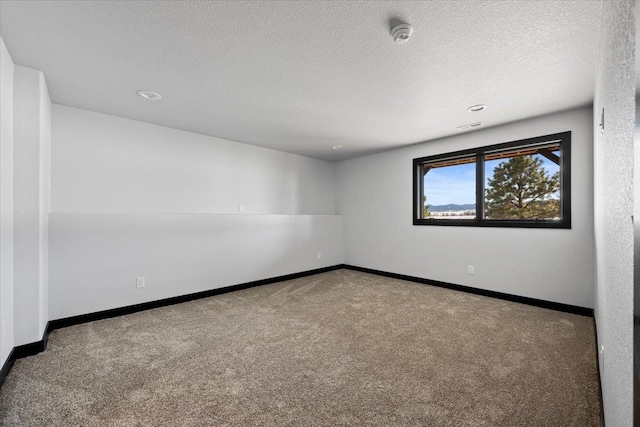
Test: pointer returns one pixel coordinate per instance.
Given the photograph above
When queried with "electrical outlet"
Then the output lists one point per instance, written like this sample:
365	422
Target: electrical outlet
241	208
319	255
139	282
471	270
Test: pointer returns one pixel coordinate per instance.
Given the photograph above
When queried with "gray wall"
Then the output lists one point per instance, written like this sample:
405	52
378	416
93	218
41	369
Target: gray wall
133	199
106	164
374	195
31	192
24	205
613	192
95	258
6	204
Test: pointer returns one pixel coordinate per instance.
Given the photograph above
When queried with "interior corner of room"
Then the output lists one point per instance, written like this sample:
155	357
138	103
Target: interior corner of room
105	212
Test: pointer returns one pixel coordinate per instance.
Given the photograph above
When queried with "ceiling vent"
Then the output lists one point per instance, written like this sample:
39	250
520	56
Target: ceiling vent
470	126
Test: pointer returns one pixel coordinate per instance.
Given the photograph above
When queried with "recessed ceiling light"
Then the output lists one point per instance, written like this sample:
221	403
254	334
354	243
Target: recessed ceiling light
337	147
476	108
147	94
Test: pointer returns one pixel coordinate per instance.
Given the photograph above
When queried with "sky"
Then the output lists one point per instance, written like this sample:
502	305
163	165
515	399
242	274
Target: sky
457	184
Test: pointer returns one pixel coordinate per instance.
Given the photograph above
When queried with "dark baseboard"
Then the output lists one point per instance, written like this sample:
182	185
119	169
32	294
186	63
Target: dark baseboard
33	348
582	311
24	351
121	311
8	364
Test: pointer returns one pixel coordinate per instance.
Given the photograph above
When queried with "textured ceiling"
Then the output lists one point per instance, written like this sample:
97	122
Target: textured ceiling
636	13
301	76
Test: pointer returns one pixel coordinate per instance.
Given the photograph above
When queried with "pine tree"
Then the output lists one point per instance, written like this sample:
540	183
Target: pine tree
522	189
425	208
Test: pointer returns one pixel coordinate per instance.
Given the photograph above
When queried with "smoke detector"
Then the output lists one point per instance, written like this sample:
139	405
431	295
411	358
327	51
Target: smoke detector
401	33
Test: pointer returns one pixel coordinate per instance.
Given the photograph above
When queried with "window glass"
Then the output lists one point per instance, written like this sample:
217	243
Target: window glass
523	184
450	189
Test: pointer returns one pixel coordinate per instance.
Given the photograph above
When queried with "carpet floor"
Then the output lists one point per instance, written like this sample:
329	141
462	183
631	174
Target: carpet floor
334	349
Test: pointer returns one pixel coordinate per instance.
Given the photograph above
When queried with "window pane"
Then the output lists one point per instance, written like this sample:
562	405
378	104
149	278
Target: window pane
523	184
450	189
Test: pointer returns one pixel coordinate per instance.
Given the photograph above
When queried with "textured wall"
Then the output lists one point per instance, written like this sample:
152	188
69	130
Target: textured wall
31	191
613	192
44	207
6	204
374	195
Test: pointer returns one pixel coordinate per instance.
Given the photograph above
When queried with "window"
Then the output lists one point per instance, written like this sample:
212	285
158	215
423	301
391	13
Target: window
517	184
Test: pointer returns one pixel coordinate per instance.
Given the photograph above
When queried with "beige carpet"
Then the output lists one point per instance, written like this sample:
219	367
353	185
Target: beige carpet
339	348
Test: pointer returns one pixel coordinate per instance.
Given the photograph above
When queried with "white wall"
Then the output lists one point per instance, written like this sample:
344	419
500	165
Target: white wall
95	258
31	191
6	204
133	199
374	195
44	207
613	182
108	164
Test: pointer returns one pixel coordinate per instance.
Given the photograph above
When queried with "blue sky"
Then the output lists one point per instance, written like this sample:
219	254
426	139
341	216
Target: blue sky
457	184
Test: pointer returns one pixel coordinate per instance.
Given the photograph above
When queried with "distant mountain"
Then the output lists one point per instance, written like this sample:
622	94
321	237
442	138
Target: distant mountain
452	207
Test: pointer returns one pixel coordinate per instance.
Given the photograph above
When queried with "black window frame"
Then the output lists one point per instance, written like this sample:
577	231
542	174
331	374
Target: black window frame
564	139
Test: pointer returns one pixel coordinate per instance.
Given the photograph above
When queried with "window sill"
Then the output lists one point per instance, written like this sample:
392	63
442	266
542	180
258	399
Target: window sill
493	223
